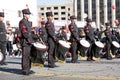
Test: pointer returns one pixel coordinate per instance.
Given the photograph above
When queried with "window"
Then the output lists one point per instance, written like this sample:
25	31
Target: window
42	8
63	18
19	13
68	9
63	13
68	14
55	18
48	8
55	13
62	7
42	14
55	8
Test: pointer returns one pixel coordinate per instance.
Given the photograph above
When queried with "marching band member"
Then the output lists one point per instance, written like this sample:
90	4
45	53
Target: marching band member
74	39
52	39
43	32
118	37
3	40
108	41
60	55
26	40
42	38
89	31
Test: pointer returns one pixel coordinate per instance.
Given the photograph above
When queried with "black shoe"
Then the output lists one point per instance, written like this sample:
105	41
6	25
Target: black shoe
28	73
73	61
89	59
52	66
109	58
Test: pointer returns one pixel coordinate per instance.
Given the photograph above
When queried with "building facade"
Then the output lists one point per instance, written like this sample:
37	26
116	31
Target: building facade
61	11
100	11
13	10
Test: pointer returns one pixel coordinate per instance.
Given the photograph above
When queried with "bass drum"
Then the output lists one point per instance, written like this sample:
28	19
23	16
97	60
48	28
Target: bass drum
96	48
114	48
84	46
1	57
38	53
62	48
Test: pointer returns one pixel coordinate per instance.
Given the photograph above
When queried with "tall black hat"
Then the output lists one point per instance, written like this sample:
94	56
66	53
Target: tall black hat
72	17
26	11
1	14
88	20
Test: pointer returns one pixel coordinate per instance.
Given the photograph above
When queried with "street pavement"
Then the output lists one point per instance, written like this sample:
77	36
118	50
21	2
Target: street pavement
83	70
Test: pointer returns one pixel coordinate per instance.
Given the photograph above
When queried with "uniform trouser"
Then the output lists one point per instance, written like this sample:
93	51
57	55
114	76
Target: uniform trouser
108	47
26	62
51	52
90	53
3	50
74	51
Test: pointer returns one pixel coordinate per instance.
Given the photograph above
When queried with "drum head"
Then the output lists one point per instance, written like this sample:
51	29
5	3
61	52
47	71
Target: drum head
116	44
85	43
39	45
1	56
99	44
64	44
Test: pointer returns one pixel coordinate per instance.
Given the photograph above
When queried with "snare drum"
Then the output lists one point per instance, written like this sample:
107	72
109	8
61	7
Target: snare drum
85	43
84	46
62	48
96	48
115	44
114	47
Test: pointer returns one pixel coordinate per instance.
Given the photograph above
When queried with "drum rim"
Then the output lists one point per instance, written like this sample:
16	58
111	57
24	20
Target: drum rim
117	43
100	43
62	45
34	44
85	41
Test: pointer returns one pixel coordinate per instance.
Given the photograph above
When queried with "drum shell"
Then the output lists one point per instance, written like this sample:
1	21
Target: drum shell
83	49
61	51
96	49
114	49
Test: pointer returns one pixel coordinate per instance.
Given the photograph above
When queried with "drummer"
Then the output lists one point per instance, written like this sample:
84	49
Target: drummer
26	41
74	39
42	38
3	40
89	32
43	32
60	55
52	39
108	41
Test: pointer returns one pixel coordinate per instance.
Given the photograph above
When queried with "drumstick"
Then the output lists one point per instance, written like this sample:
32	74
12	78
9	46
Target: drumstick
40	39
66	41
